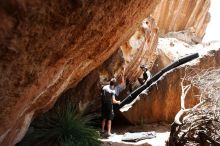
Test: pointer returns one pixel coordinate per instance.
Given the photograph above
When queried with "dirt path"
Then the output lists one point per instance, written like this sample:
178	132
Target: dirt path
162	135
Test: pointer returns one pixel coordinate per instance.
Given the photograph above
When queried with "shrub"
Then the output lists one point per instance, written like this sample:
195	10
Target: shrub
62	126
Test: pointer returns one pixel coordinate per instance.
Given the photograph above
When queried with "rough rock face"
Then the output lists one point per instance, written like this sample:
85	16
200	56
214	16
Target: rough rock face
191	15
139	49
186	36
162	101
86	95
48	46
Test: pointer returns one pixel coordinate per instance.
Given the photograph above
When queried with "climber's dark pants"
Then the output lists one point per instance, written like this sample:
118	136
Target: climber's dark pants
107	111
141	81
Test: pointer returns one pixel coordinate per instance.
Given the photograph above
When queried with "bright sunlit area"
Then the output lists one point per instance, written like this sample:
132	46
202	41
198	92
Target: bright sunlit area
213	30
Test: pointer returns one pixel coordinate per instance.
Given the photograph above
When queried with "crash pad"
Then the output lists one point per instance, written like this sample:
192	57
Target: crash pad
137	136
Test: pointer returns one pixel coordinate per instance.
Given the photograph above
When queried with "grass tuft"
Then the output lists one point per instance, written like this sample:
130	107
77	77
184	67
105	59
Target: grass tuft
62	126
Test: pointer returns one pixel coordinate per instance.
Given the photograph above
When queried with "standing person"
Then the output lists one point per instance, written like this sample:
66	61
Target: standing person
108	99
146	75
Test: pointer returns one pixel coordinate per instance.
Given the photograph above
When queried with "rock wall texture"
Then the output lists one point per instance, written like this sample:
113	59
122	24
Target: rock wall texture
173	15
140	49
161	101
48	46
86	96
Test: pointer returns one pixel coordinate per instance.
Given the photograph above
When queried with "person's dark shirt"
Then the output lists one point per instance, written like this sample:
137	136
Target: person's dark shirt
108	93
146	75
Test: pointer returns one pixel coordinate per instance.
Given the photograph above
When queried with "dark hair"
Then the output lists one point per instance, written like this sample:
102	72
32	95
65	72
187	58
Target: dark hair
113	82
143	66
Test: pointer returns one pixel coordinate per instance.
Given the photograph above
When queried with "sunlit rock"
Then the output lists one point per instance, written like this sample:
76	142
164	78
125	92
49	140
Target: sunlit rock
49	46
161	101
190	15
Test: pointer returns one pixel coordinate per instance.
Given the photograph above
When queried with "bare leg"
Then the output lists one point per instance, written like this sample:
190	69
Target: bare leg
103	125
109	126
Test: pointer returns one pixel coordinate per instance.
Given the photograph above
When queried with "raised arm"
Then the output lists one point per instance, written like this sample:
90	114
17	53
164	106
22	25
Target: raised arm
122	84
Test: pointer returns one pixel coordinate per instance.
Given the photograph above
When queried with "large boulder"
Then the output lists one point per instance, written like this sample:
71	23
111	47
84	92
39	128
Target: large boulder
139	49
49	46
161	101
190	15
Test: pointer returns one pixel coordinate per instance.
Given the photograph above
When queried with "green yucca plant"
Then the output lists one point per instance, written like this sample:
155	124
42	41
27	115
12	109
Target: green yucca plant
63	126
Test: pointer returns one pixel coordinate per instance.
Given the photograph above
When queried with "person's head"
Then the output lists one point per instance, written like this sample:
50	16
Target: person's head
143	67
112	82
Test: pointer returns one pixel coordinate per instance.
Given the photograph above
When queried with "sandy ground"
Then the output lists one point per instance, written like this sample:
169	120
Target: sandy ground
161	129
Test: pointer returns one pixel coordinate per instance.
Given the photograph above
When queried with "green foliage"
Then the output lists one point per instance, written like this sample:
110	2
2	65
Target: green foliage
63	126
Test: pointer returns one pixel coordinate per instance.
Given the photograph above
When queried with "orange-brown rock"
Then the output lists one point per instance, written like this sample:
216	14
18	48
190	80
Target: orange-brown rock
48	46
174	15
140	49
161	101
86	96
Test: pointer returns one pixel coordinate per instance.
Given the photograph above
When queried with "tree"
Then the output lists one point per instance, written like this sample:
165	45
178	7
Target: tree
201	124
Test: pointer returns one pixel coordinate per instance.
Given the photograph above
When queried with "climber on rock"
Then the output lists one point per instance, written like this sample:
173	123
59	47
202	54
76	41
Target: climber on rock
146	75
108	99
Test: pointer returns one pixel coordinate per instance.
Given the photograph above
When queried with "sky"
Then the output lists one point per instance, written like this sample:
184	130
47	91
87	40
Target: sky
213	29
